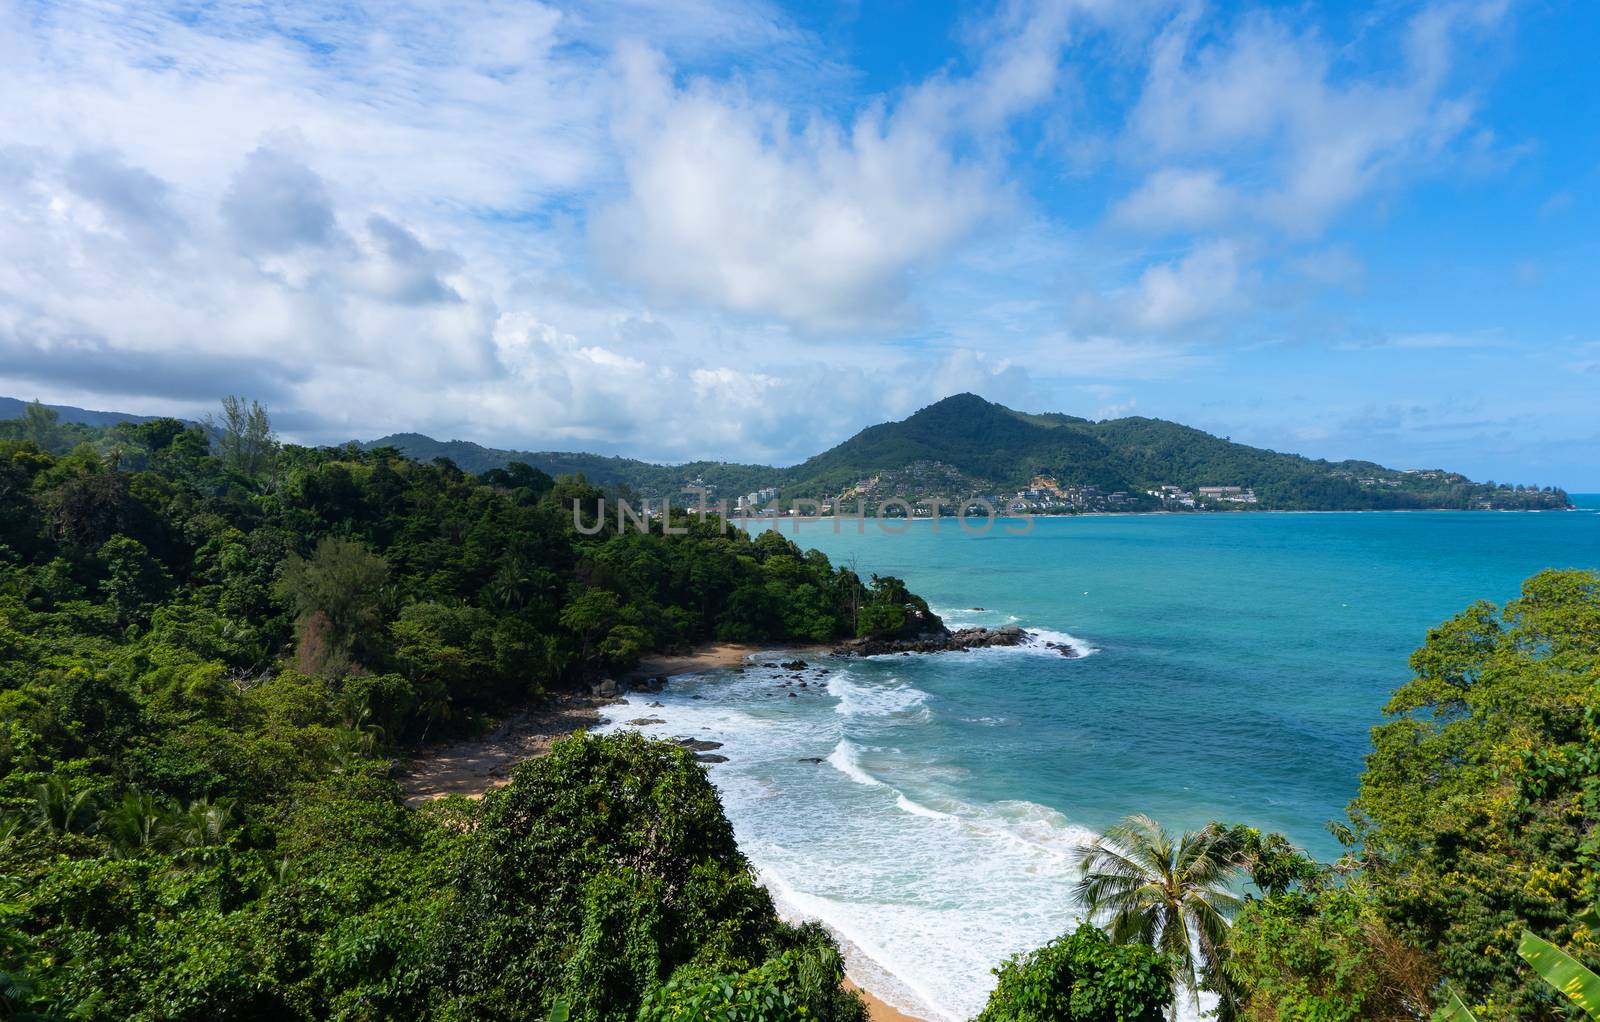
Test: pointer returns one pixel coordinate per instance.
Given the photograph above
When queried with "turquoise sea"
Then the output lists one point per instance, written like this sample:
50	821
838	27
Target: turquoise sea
1233	665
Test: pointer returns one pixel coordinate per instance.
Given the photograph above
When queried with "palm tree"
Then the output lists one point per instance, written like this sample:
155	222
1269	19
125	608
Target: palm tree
1169	894
62	809
136	824
200	832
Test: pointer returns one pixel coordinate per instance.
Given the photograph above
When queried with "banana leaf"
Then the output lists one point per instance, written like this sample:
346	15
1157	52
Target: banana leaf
1455	1011
1563	972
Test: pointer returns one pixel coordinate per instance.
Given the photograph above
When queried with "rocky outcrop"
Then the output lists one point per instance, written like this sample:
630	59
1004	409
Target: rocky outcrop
697	744
944	641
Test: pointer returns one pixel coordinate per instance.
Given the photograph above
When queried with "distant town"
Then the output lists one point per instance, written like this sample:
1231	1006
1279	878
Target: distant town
1043	495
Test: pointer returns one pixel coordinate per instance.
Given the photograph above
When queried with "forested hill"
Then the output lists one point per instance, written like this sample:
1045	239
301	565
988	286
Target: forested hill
639	476
12	408
964	446
213	648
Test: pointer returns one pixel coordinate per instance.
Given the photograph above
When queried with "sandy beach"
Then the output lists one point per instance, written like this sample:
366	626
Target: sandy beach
877	1009
473	766
708	657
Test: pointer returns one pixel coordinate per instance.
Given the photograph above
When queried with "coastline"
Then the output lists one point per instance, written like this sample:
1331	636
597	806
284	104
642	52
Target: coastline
879	1010
897	523
715	655
728	655
472	767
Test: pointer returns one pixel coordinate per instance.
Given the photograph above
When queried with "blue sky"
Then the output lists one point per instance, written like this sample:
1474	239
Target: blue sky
715	229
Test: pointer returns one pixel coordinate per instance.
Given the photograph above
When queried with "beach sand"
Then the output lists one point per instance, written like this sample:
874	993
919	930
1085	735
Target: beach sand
877	1009
473	766
714	655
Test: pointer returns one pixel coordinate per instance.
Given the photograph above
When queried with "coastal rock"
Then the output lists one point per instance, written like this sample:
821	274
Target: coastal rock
1063	648
810	759
944	641
645	721
607	689
794	665
709	757
697	744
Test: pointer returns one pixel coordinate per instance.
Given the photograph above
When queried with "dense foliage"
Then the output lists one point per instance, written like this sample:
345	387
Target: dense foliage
1473	862
1082	977
1476	822
211	646
1480	805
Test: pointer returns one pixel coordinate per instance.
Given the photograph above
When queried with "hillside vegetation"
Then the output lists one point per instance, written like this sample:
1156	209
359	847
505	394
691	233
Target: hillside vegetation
965	446
212	648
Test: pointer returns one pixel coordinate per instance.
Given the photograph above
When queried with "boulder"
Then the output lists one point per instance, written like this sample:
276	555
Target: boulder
943	641
697	744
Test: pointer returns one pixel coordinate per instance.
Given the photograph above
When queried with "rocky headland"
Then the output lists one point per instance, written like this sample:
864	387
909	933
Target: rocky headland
945	640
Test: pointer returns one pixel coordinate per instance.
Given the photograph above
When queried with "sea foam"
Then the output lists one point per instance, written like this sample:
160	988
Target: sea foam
843	803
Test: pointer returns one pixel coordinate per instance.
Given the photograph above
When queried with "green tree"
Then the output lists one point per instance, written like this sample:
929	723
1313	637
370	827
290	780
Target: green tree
597	873
1479	811
336	595
1168	893
134	580
1082	977
243	437
1325	955
42	426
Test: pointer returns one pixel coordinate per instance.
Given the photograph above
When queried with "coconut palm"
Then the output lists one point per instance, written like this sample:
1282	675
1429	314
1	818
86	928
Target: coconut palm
136	824
1146	887
63	809
201	831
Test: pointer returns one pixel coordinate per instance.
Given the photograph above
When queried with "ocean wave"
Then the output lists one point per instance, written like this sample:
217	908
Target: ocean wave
1041	638
933	900
918	809
876	700
926	890
866	958
846	759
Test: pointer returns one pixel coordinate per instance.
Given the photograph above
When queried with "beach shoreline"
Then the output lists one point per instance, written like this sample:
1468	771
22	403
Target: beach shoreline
730	655
472	767
878	1009
715	656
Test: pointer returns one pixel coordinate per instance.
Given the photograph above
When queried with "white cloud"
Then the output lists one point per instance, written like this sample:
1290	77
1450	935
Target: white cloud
731	203
1176	295
505	222
735	201
1177	199
1290	113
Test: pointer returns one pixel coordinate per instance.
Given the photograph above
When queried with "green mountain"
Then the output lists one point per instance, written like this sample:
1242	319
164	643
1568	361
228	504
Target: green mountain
964	446
14	408
643	477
